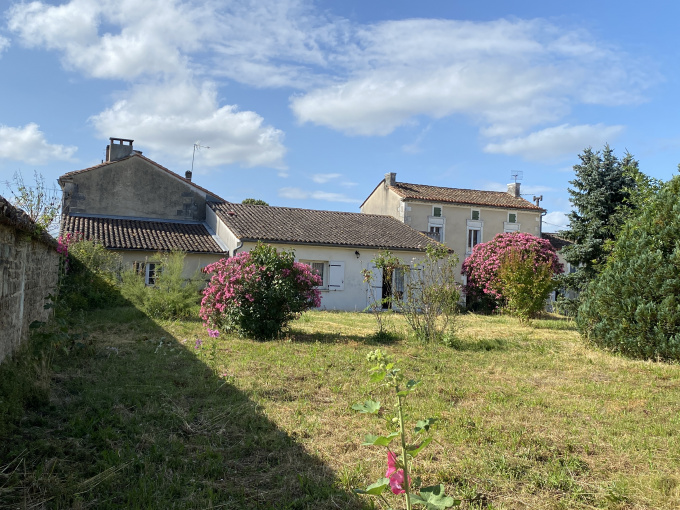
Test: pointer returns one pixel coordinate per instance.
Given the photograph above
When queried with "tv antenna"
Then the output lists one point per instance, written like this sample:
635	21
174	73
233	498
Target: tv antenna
516	175
198	146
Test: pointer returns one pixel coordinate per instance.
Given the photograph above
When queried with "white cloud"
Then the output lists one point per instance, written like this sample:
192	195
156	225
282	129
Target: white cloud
323	178
28	144
141	38
554	221
4	44
170	117
507	76
300	194
552	144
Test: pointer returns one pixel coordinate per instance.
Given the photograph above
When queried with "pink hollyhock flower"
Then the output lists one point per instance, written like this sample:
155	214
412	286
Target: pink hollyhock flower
395	475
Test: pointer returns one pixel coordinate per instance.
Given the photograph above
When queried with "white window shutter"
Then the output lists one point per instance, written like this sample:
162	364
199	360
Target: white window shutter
336	275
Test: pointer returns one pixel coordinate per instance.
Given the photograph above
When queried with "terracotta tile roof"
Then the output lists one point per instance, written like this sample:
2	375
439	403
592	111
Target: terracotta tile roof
461	196
556	241
306	226
137	155
151	235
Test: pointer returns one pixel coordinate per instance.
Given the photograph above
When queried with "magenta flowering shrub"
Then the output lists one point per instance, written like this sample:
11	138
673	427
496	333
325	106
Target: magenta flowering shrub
483	265
258	293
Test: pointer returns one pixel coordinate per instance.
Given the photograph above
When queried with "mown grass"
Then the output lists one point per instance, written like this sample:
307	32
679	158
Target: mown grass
530	417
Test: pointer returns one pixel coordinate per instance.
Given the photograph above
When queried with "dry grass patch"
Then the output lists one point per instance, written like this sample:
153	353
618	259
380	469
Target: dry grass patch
531	417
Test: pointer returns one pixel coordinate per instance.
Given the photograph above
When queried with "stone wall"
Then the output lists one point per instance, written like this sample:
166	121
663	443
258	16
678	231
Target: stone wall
29	268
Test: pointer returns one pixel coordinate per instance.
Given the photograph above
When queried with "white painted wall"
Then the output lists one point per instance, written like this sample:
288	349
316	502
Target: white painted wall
354	296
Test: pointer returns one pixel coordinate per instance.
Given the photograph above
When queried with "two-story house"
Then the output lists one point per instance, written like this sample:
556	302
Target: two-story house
136	207
458	218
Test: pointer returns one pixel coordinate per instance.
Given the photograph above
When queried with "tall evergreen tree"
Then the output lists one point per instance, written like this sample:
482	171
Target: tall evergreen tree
601	204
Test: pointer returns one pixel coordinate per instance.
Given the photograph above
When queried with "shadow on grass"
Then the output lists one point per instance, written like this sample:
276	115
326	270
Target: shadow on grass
385	338
480	344
135	420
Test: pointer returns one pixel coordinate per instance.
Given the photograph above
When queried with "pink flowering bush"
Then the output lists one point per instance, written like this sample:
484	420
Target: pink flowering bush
482	267
258	293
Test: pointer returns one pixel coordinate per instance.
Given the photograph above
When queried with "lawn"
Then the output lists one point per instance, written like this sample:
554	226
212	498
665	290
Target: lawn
138	413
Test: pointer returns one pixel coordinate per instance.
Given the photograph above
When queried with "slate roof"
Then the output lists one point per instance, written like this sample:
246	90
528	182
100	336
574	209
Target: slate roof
150	235
461	196
556	241
138	155
307	226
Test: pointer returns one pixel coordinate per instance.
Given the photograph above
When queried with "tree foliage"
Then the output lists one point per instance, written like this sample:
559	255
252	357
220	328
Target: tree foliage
603	193
38	201
482	268
633	305
258	293
254	201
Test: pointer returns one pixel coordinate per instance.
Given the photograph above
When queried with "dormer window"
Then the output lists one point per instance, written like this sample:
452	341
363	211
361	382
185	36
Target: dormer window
475	215
437	212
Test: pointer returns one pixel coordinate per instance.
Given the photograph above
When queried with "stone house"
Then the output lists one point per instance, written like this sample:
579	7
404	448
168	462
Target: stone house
136	207
338	245
458	218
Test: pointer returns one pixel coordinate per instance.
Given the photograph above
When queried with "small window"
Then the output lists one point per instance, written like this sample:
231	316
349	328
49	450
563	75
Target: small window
320	269
436	233
512	218
437	212
474	238
151	273
475	214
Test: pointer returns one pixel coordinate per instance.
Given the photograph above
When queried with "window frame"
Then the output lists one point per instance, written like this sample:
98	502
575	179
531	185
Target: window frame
479	214
441	211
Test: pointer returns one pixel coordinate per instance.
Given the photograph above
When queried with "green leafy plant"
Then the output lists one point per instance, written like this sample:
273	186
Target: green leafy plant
526	283
38	201
431	298
258	293
398	477
90	275
378	304
172	296
633	305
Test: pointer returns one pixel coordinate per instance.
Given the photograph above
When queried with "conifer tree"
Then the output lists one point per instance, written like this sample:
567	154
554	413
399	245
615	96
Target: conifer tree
601	200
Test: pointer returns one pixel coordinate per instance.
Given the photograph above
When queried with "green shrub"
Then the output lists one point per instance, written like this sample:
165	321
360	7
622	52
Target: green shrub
90	276
633	306
258	293
526	282
172	296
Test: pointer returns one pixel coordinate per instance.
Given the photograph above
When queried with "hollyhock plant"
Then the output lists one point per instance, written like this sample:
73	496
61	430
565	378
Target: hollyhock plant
398	475
258	293
395	476
482	267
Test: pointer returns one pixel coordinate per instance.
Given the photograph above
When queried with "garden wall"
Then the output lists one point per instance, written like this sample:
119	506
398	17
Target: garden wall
29	268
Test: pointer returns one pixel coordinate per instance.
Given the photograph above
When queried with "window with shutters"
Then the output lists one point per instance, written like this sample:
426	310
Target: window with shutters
332	273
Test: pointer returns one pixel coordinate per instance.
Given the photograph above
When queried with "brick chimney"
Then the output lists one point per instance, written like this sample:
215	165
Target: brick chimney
390	179
187	175
513	189
118	148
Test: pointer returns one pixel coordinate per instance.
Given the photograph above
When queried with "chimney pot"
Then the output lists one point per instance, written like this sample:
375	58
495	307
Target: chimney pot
513	189
188	174
118	149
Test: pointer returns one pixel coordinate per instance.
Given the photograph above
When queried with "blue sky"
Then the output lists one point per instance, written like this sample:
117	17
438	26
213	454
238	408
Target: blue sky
308	104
